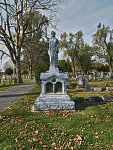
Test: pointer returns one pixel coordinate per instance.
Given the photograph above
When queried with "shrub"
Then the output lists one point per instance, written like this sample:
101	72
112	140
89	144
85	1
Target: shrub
40	68
64	66
23	72
9	71
101	67
104	68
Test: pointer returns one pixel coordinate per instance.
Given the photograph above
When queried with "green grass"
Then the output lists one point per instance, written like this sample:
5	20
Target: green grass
89	128
74	92
7	85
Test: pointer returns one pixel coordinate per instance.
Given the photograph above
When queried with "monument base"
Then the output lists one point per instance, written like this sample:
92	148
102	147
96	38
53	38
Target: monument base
53	102
53	95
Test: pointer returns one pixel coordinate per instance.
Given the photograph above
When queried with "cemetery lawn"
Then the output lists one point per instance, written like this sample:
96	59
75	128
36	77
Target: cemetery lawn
6	86
74	92
90	127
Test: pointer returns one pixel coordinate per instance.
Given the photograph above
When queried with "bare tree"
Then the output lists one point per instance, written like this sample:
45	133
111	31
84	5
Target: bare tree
8	64
15	17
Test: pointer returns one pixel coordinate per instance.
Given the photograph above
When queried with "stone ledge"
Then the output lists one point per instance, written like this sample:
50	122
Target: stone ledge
109	88
54	102
97	89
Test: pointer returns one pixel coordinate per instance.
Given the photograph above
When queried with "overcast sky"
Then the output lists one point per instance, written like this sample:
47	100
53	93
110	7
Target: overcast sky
85	15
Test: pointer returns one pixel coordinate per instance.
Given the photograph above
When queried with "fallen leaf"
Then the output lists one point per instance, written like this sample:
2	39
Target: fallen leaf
75	140
25	125
53	145
68	144
92	116
72	148
29	140
34	139
16	139
45	146
96	137
36	132
102	132
40	142
79	137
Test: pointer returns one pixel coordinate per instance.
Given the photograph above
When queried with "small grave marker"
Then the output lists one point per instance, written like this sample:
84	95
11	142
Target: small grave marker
97	89
79	100
94	99
107	98
109	88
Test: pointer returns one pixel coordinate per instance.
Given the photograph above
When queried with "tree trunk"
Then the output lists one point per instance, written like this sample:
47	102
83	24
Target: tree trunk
73	69
30	71
18	70
110	67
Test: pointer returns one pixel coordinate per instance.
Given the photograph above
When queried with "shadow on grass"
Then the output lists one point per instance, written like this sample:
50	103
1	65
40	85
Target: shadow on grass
19	95
3	86
83	107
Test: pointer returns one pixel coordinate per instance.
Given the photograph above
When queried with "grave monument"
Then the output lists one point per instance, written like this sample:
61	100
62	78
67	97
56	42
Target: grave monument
53	95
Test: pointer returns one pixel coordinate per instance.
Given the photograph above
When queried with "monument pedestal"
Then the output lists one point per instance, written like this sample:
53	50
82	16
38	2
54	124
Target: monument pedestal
53	95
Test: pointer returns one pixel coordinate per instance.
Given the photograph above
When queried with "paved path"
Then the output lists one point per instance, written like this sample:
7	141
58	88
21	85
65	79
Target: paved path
10	95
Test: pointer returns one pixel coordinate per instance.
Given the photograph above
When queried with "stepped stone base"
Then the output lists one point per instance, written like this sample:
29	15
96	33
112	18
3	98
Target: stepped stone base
53	95
53	102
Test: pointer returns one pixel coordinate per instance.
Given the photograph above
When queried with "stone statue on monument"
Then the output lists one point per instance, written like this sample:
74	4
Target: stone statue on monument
53	95
53	49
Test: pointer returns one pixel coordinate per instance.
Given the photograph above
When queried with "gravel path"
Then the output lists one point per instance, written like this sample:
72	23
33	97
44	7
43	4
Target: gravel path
10	95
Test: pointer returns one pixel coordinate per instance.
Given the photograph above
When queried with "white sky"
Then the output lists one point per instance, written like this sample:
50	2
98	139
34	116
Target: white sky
84	15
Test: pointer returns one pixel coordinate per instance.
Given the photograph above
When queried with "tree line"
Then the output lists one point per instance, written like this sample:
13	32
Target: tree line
22	27
82	55
21	23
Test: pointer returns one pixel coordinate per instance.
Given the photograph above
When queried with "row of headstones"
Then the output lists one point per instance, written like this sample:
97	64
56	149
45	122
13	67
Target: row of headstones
26	76
83	83
101	75
4	77
10	78
3	81
93	100
93	75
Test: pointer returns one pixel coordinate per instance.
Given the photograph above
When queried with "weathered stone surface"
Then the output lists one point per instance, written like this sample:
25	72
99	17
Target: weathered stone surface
53	95
94	76
87	88
15	80
79	100
94	99
4	77
109	88
68	84
53	49
102	75
106	85
81	83
97	89
54	102
90	77
3	82
111	75
107	98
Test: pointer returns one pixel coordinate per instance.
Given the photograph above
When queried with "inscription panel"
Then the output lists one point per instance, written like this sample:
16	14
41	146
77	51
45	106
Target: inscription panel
54	107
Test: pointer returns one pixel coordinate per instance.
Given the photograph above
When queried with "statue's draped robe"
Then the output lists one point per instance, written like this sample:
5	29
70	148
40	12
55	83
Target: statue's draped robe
53	52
